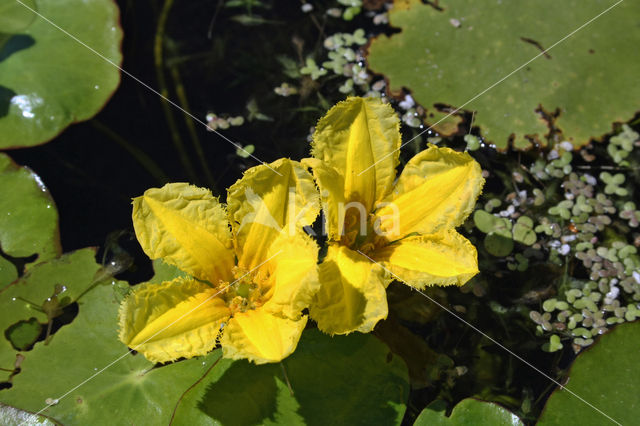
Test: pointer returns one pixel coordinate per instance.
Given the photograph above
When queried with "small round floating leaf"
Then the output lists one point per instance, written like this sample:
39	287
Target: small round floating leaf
485	222
553	345
523	231
473	142
549	305
498	245
24	333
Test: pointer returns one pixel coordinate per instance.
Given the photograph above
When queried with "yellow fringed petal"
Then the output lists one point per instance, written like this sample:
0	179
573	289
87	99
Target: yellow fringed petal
331	185
293	275
260	336
179	318
437	190
352	293
263	203
360	138
446	258
187	227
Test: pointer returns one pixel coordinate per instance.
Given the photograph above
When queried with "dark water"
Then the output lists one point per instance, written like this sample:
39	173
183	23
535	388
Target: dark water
92	178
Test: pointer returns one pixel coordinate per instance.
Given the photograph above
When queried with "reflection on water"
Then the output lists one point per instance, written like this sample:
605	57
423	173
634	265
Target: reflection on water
27	103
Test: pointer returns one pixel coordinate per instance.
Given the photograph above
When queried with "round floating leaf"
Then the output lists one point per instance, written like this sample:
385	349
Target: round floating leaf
47	79
607	376
448	64
485	221
340	380
25	196
15	17
22	301
24	333
497	244
468	412
129	391
523	231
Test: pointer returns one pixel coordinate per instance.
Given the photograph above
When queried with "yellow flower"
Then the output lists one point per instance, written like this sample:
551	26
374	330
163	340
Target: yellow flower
252	268
406	226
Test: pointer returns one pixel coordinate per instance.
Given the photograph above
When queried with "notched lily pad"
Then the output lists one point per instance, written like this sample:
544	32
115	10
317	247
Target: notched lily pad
48	80
129	391
31	299
443	64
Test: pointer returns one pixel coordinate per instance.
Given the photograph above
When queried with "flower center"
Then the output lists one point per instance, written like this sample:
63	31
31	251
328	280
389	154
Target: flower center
244	293
361	236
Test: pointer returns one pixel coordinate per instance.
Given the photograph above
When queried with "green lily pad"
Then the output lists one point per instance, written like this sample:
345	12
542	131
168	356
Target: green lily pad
25	196
165	272
340	380
469	412
47	79
15	17
607	376
22	301
8	272
129	391
443	63
327	376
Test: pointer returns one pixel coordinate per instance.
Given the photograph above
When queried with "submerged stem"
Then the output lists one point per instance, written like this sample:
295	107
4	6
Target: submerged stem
141	157
158	52
193	133
47	337
286	378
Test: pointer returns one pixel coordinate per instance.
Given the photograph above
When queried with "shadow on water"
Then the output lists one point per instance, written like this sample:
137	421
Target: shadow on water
15	44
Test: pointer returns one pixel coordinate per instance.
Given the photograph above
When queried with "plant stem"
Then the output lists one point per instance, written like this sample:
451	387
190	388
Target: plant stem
286	378
145	161
158	52
193	133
